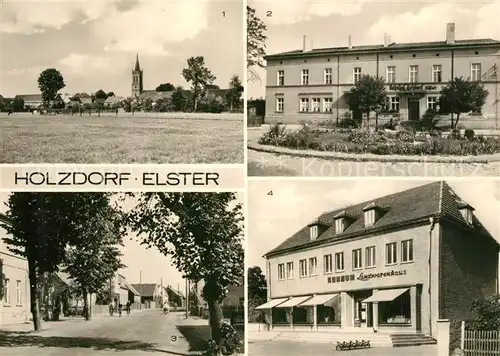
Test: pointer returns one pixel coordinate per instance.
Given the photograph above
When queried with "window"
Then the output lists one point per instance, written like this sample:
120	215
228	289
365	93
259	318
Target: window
303	268
280	104
304	104
315	107
356	259
289	270
6	291
305	77
432	102
356	74
370	257
328	76
391	74
467	214
475	72
339	261
407	251
394	103
280	78
390	253
314	231
328	263
281	271
369	217
313	263
339	225
413	74
327	104
436	73
19	300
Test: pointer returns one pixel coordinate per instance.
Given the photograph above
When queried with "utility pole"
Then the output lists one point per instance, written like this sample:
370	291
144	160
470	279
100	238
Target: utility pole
187	298
140	283
162	292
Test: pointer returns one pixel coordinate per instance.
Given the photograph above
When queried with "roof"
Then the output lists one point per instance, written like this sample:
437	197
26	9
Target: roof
485	42
114	99
406	207
63	276
30	97
137	66
145	289
153	94
85	100
175	291
123	281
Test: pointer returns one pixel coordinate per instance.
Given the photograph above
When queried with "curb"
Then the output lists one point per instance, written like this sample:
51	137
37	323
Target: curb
339	156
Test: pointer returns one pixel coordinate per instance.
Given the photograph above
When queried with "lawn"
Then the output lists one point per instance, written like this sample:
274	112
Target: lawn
140	138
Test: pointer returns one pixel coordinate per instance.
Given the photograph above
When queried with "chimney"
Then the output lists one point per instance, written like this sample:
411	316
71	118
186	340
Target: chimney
389	40
304	43
450	33
386	40
349	42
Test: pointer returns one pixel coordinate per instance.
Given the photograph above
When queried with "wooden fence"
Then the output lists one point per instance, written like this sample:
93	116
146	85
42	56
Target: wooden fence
480	342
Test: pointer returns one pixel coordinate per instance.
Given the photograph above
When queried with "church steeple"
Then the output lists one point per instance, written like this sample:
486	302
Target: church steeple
137	82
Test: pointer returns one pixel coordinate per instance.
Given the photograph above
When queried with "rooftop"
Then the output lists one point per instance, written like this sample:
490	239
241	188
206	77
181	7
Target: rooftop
401	208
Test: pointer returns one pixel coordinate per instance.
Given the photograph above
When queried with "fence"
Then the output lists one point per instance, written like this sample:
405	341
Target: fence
480	342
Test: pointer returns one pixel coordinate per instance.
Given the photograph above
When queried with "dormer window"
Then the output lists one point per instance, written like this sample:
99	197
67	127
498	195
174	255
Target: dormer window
467	212
342	221
313	231
370	217
339	225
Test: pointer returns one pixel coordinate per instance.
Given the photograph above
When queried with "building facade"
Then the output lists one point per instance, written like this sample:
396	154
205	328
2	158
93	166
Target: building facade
15	304
311	83
395	264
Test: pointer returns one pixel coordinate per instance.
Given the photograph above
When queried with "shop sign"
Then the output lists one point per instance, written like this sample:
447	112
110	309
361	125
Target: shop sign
411	87
365	277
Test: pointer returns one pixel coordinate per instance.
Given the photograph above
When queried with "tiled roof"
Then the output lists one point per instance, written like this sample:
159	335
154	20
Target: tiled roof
114	99
145	289
153	94
391	46
30	97
434	199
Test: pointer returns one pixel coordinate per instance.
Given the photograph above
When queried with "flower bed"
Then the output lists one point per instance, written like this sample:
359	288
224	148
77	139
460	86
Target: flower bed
379	142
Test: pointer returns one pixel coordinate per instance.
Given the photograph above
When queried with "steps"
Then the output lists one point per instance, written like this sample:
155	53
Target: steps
376	340
402	340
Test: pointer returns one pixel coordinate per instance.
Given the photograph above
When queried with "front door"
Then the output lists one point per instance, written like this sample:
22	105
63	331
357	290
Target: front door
413	109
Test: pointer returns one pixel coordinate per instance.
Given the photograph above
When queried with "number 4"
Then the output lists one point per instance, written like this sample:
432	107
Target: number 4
270	192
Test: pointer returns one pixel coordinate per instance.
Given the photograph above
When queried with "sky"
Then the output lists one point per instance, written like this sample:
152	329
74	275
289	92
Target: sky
329	23
293	204
94	43
151	264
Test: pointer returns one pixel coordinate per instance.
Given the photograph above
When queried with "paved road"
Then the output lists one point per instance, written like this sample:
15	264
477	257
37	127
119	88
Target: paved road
291	348
143	333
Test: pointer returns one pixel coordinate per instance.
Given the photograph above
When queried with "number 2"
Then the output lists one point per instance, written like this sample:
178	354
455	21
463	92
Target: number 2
269	13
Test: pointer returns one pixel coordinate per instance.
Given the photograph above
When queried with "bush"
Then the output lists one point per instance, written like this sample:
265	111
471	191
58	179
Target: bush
429	121
469	133
349	123
274	136
232	342
411	126
455	134
486	313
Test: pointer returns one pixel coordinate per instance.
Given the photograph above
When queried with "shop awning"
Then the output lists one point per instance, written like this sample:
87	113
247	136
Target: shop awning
386	295
319	300
294	301
272	303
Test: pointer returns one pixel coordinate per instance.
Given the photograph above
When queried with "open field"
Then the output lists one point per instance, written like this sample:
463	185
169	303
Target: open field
140	138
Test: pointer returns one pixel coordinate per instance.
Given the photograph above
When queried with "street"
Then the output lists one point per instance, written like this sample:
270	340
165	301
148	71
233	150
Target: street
289	348
140	333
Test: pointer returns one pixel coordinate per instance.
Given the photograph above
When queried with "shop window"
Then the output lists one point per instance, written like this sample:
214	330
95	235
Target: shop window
396	312
303	268
313	263
339	262
407	251
279	316
329	314
280	78
357	259
328	263
301	316
391	253
370	257
289	270
281	271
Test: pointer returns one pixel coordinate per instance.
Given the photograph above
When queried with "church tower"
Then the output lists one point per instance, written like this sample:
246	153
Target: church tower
137	79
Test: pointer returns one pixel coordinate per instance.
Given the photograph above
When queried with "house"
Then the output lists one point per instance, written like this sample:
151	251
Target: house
149	292
175	297
31	101
123	291
15	305
311	83
113	100
395	264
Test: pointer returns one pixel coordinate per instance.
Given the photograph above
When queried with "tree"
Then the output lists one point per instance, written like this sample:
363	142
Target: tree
257	286
110	94
50	82
233	95
2	280
462	96
100	94
211	103
41	225
178	99
486	312
199	76
256	43
202	232
18	104
367	95
94	258
212	86
165	87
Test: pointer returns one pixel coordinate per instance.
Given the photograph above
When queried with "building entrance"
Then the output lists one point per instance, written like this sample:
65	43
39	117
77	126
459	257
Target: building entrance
363	313
413	108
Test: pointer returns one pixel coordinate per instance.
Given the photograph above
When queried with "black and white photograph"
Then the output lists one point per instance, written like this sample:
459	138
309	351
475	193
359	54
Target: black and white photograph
340	268
373	88
114	273
122	82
